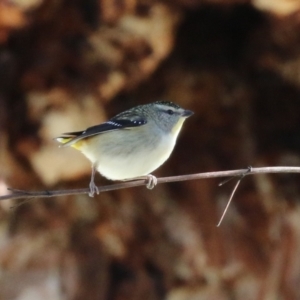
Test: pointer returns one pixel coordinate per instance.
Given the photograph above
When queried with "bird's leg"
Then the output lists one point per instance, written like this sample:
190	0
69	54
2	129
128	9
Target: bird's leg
93	187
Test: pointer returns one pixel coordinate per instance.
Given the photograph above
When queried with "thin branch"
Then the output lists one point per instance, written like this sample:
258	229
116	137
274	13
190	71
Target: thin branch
229	201
233	192
20	194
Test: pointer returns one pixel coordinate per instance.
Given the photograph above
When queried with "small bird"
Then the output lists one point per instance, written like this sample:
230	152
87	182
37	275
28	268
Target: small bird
132	144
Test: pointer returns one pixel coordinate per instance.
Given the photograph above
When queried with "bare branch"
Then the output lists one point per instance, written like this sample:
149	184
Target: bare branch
233	192
20	194
229	201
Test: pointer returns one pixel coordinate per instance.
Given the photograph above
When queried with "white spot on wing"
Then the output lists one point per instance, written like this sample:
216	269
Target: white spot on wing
113	123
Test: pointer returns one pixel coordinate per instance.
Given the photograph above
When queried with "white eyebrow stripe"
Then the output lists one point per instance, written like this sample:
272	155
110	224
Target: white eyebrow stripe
165	107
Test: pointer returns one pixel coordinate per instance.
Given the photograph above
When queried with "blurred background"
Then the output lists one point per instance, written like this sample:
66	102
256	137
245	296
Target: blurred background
69	64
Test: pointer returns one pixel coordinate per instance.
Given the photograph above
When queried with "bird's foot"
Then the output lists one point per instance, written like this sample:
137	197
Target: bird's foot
93	189
151	181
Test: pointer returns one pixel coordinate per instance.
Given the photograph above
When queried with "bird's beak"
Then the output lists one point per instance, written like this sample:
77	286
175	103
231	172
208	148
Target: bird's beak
187	113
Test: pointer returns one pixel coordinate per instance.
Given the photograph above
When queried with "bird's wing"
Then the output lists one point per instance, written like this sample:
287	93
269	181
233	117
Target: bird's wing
122	121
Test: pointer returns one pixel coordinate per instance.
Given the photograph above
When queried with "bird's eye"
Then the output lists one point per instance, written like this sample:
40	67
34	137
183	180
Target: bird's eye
170	112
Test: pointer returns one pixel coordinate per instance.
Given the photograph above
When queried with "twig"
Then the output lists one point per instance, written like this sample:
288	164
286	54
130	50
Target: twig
233	192
20	194
229	201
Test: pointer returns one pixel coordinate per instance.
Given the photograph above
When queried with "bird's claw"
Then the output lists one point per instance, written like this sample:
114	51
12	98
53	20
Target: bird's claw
93	189
151	181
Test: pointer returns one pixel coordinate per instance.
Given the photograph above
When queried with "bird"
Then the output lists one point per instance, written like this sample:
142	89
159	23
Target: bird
132	144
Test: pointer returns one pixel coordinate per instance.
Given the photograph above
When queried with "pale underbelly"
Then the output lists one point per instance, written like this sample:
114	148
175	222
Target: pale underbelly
116	162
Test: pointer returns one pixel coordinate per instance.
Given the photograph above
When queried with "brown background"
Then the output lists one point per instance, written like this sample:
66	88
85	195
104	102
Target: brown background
66	65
